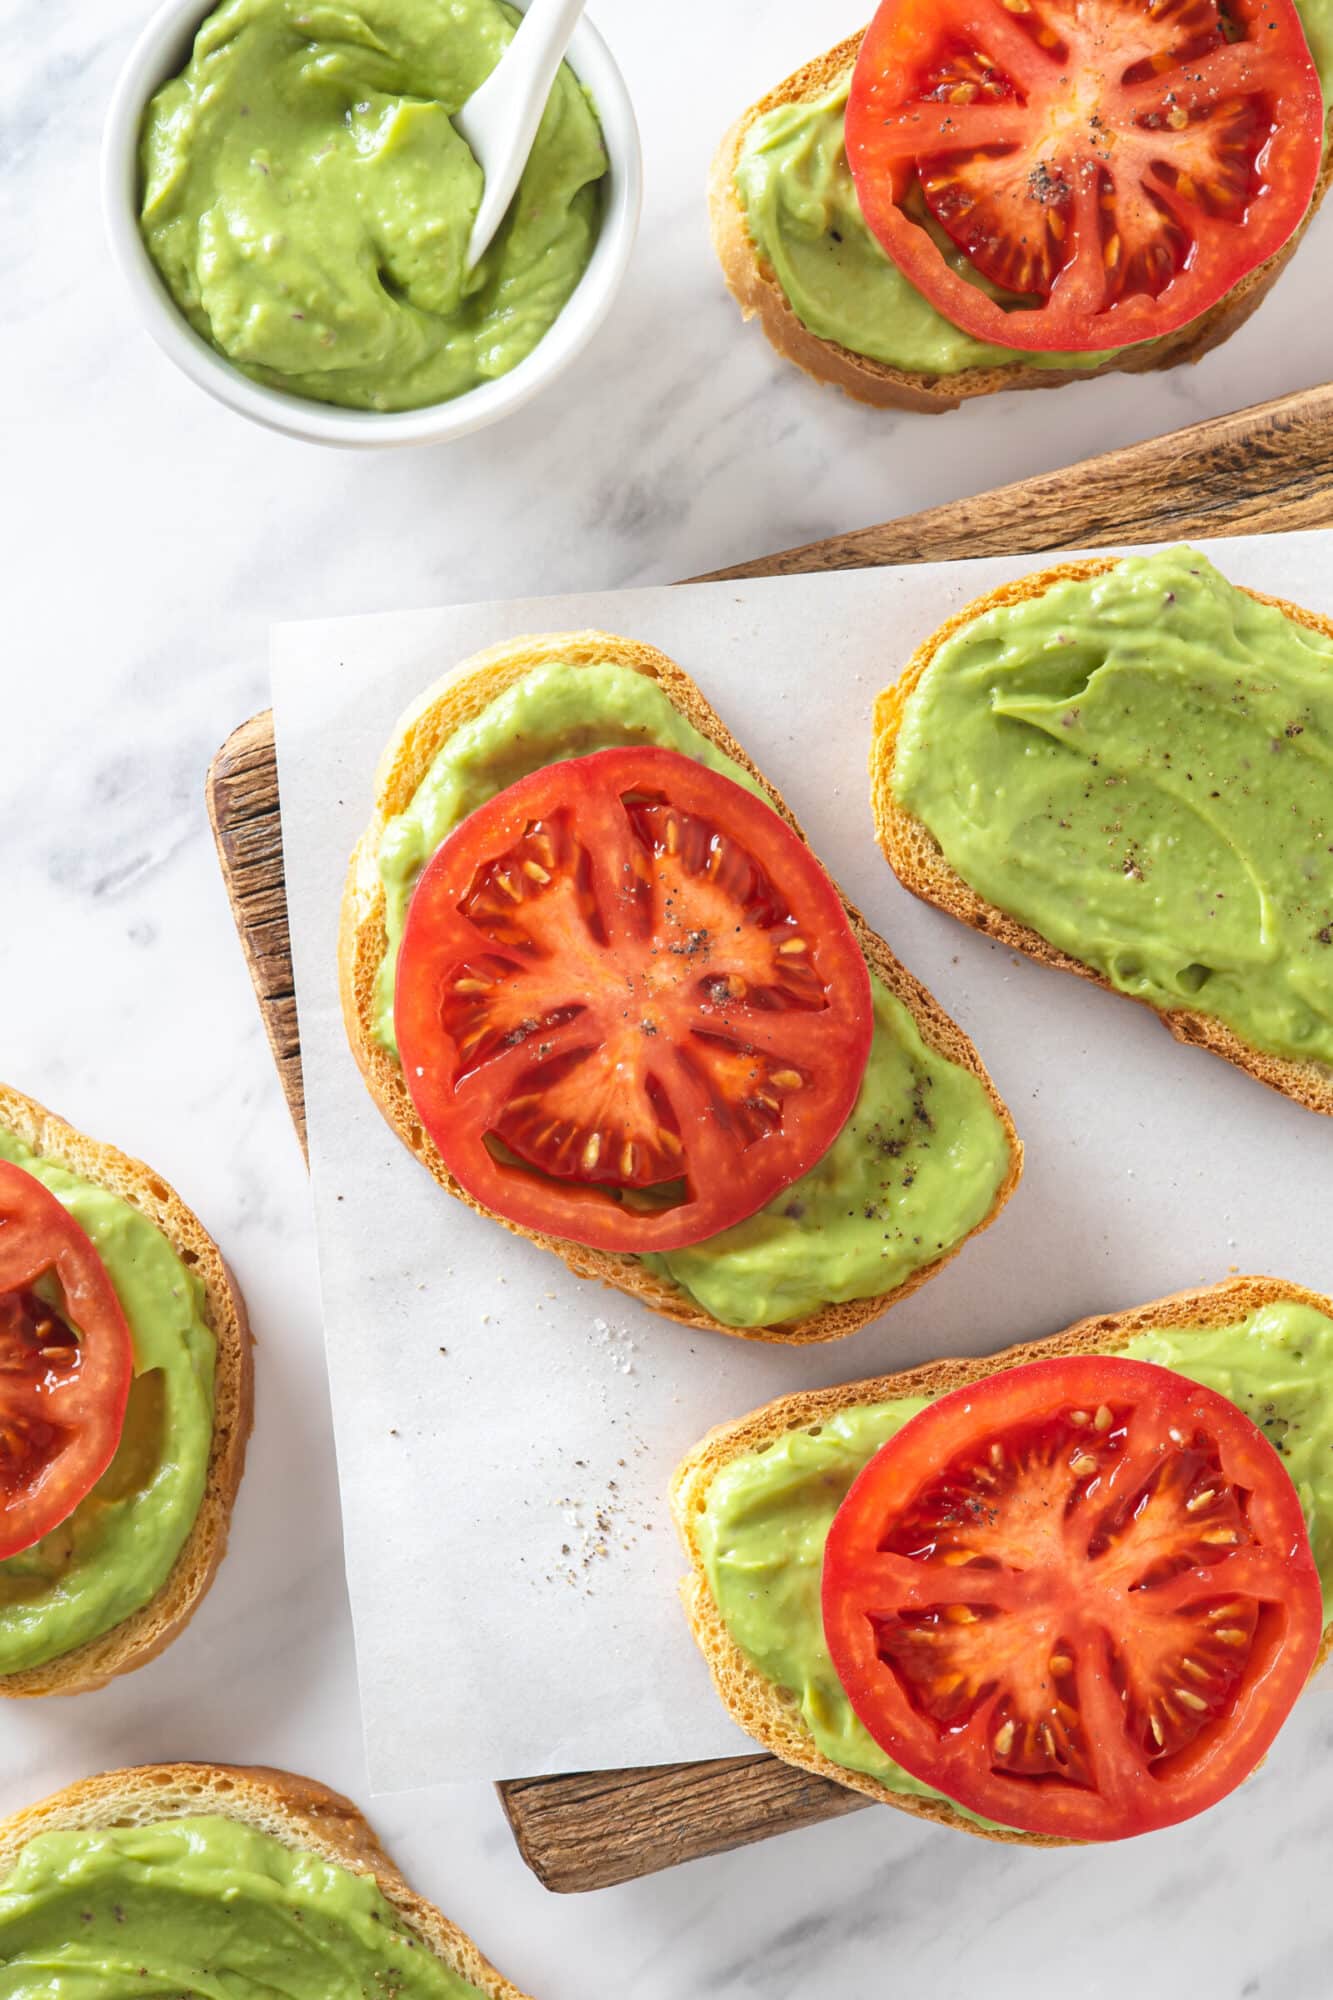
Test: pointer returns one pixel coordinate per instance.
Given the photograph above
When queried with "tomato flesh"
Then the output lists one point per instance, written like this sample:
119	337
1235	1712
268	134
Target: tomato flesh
1077	1597
1115	167
65	1370
630	1007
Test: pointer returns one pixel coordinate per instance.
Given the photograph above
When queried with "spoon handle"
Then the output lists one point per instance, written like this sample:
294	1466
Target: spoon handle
500	120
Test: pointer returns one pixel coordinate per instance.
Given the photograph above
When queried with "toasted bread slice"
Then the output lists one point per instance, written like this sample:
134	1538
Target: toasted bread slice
769	1713
444	708
140	1637
755	286
916	859
299	1812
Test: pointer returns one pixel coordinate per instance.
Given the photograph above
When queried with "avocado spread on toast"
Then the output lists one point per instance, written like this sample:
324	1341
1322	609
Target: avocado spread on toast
919	1162
117	1548
1139	766
766	1514
799	200
203	1905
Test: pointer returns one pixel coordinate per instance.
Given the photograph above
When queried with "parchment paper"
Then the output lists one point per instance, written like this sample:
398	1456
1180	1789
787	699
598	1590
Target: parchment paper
505	1432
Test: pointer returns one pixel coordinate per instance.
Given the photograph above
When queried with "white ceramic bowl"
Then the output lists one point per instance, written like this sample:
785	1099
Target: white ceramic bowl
161	51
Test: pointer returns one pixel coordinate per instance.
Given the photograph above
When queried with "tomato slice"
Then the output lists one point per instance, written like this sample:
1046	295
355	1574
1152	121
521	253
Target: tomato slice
1115	167
1076	1597
630	1007
65	1371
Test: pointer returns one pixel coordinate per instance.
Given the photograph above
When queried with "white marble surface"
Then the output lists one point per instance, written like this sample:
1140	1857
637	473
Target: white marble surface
148	539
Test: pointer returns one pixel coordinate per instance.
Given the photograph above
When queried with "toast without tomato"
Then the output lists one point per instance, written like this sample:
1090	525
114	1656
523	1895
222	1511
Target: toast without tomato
442	710
754	285
144	1634
915	857
299	1812
769	1713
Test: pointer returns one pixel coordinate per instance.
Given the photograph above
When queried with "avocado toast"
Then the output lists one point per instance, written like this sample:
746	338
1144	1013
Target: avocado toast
755	1500
114	1582
930	1159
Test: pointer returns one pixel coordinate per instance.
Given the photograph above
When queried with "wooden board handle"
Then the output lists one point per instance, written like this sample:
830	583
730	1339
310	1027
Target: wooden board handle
1256	472
598	1828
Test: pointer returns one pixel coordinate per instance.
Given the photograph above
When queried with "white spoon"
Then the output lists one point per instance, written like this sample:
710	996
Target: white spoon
500	119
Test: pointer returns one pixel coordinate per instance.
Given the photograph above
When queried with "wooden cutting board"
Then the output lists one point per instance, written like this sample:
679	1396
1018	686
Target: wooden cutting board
1262	470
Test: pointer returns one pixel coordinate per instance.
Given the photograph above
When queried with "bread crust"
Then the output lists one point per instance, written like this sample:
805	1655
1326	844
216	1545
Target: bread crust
300	1812
754	285
917	860
765	1711
146	1632
443	709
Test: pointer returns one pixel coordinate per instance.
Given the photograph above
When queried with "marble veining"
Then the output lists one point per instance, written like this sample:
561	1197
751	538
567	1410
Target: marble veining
149	538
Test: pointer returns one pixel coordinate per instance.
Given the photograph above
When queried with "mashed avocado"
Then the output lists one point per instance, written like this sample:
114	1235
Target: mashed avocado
804	219
203	1909
308	200
766	1515
919	1162
913	1171
117	1548
1140	767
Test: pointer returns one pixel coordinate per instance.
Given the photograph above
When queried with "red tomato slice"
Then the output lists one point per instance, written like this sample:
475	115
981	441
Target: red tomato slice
630	1007
64	1372
1114	166
1077	1597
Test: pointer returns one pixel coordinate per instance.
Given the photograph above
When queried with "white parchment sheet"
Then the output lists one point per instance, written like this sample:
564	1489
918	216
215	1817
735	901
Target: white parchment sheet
505	1432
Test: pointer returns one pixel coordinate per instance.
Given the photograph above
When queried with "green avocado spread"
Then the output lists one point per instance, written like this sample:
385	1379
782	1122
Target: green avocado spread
804	219
117	1548
1140	767
766	1515
920	1160
308	200
203	1908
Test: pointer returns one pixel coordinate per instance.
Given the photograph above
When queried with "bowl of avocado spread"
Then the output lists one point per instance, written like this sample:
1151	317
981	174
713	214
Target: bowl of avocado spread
290	202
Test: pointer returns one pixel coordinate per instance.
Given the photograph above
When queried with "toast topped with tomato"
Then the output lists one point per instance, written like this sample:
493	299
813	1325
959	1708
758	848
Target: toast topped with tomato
600	987
1067	1592
125	1406
921	218
243	1878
